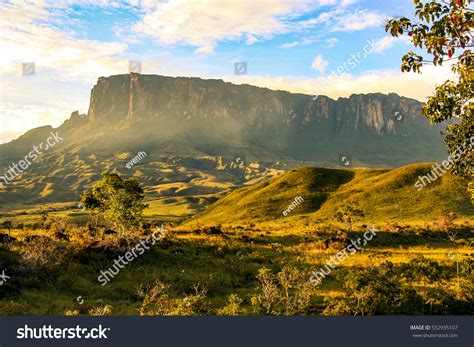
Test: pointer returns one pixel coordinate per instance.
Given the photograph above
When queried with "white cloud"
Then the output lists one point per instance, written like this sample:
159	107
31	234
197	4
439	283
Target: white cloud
343	18
299	43
66	67
32	101
348	2
358	20
383	44
192	23
412	85
342	3
251	39
291	44
319	64
387	42
331	42
25	37
205	49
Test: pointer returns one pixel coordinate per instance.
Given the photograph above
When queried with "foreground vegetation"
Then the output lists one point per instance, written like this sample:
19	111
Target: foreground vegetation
245	270
262	266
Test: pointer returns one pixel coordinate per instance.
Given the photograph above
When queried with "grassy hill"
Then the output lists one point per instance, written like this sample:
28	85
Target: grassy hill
55	264
384	195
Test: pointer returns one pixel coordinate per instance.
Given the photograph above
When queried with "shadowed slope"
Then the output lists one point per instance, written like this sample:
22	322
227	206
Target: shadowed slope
382	194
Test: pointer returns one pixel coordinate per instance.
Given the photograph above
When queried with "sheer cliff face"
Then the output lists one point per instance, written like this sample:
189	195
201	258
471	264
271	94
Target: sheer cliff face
119	100
207	114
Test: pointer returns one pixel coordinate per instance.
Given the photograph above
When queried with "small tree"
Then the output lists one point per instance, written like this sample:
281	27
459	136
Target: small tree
348	215
120	201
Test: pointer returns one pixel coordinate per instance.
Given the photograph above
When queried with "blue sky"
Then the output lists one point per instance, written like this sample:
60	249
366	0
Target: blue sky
266	56
287	44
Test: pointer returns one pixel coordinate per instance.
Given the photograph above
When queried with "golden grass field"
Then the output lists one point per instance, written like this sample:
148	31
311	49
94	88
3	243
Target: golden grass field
212	262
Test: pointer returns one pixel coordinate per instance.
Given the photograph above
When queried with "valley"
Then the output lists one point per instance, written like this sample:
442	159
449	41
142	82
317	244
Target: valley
252	191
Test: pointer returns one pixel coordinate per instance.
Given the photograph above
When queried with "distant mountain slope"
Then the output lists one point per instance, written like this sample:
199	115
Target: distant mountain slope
382	194
374	129
191	127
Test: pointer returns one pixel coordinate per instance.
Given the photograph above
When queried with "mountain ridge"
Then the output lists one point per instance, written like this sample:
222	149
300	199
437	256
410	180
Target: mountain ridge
176	118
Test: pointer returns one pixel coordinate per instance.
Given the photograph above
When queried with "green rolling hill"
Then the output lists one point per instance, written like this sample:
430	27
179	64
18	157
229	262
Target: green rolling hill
384	195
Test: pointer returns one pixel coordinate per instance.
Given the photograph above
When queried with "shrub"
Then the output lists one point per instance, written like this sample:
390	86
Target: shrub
289	292
374	291
157	302
101	311
233	306
37	252
424	269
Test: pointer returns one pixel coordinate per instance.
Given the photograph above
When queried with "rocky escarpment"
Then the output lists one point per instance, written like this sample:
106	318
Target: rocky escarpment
377	128
191	116
134	97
